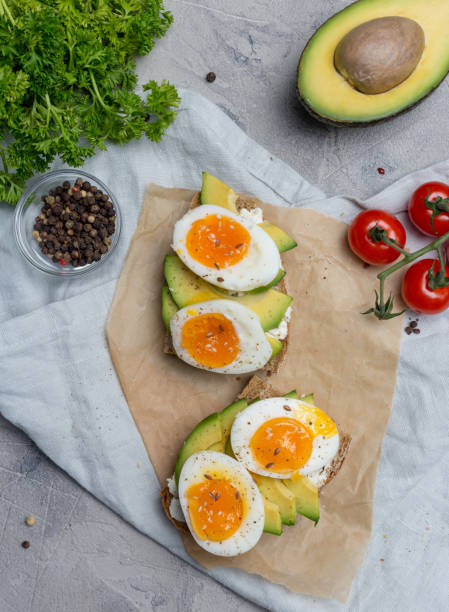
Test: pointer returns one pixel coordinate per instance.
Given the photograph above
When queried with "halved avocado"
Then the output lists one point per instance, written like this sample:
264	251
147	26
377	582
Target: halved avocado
186	289
206	433
329	97
169	307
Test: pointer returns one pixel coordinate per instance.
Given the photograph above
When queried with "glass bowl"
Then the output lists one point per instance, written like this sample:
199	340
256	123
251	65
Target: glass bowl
30	206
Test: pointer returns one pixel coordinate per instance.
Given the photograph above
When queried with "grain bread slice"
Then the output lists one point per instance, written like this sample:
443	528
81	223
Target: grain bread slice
273	366
260	389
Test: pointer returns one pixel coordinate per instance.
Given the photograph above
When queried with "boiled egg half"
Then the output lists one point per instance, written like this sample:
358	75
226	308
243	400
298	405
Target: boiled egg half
221	503
280	437
221	336
226	249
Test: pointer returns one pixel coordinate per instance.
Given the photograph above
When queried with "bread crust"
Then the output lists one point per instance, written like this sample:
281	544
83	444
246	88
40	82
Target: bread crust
273	366
258	388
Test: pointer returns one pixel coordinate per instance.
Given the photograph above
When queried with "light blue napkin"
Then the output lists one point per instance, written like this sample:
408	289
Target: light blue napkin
57	382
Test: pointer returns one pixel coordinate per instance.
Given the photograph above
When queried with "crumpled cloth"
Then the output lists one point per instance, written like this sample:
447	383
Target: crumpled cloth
57	382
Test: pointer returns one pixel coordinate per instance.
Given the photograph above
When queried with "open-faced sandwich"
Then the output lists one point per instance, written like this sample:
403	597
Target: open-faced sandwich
225	304
252	468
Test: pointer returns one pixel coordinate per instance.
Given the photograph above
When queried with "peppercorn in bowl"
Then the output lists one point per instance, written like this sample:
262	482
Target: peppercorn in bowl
67	223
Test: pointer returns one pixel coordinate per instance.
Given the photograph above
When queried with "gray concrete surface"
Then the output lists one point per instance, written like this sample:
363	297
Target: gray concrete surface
82	557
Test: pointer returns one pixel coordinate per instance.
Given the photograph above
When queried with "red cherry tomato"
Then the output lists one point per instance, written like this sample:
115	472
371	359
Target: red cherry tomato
421	214
416	292
377	253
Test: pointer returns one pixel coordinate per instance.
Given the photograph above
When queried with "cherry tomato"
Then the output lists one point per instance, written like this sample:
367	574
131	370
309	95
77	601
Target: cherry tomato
377	253
416	292
421	214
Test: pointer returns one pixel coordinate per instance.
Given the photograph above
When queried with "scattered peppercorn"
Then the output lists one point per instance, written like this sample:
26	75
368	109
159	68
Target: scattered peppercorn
75	224
413	324
30	520
26	544
380	170
210	77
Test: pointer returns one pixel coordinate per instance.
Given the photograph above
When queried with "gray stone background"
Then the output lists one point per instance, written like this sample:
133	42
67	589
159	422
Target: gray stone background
83	557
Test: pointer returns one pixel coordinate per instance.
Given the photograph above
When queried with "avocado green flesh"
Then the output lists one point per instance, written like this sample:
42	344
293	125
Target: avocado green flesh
169	307
273	522
215	192
282	240
276	280
306	496
206	433
227	416
277	493
187	289
328	96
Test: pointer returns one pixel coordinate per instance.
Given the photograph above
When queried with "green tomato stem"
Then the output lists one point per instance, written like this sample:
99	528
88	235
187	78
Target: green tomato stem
409	257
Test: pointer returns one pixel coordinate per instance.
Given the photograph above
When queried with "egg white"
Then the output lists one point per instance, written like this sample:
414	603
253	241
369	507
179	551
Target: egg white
251	528
249	420
255	350
257	269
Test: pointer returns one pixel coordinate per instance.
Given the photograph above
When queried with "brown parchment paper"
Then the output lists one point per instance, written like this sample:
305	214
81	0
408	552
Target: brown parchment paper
348	360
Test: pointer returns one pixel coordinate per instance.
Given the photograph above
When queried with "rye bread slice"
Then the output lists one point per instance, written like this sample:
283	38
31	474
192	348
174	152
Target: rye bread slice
273	366
258	388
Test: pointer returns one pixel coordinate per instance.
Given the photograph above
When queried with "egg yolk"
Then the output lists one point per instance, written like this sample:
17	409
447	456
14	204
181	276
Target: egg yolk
319	423
217	241
282	445
215	509
211	339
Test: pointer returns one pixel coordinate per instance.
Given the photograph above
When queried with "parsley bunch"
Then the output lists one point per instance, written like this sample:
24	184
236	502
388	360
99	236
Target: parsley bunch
67	81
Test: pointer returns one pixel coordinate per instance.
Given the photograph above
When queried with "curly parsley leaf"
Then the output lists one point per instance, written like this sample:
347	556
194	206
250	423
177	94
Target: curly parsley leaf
67	82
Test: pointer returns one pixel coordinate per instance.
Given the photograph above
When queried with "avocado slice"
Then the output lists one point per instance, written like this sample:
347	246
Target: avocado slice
228	415
273	523
186	288
276	280
205	434
293	394
306	497
329	97
218	447
276	345
169	307
308	399
282	240
276	492
228	448
214	191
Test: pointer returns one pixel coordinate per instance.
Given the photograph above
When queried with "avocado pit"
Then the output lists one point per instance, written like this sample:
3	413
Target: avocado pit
378	55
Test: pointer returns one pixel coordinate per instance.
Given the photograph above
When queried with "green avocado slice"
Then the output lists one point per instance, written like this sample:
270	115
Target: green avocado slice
276	492
169	307
206	433
306	497
187	289
273	523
